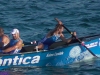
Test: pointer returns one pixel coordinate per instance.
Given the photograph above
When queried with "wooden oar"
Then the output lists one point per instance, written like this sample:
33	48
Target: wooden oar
77	38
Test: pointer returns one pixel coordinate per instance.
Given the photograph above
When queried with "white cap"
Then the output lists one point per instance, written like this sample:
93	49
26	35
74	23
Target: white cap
15	31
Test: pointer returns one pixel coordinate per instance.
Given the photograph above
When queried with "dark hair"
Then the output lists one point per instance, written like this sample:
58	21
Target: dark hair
56	28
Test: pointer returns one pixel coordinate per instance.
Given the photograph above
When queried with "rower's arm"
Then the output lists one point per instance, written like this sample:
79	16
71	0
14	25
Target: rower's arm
64	39
3	41
17	45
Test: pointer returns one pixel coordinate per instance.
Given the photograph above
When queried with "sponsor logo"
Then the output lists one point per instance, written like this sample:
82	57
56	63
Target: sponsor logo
19	60
75	51
54	54
80	57
92	45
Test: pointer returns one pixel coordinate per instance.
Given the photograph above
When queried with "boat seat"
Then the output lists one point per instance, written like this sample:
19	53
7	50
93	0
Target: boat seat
28	48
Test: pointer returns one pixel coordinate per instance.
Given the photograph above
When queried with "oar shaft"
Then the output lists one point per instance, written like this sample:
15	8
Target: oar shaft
67	29
79	41
89	50
85	46
90	36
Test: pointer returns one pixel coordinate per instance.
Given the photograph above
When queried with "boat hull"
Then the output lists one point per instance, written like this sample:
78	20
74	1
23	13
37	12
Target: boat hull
55	57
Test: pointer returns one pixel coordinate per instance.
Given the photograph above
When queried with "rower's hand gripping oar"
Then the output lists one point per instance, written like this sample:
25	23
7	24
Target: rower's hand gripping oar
76	38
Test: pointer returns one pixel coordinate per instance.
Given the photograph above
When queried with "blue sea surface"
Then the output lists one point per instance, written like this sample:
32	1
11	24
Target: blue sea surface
34	18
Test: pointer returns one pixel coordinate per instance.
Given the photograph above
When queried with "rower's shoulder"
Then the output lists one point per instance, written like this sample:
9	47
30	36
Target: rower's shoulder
21	40
5	36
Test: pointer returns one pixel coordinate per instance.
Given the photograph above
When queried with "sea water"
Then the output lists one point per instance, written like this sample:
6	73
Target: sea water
35	18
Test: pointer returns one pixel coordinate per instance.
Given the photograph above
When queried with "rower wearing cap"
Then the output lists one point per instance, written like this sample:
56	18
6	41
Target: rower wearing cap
15	44
4	39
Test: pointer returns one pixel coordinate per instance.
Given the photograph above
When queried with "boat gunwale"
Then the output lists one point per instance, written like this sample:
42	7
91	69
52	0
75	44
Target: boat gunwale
64	46
22	53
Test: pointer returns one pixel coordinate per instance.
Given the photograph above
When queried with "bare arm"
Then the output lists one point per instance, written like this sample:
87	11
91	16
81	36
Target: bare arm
5	40
64	39
18	44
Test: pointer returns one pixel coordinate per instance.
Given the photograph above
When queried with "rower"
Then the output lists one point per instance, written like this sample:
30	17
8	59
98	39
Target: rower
4	39
15	44
52	37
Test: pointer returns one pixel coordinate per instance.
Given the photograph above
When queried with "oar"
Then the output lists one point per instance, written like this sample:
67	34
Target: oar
77	39
90	36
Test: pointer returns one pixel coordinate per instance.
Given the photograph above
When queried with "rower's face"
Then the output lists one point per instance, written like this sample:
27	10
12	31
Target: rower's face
15	36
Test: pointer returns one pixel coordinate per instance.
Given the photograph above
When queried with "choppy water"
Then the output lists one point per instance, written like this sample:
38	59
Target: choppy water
36	17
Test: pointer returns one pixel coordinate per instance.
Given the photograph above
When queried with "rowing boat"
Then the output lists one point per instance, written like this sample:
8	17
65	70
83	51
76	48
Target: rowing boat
58	55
